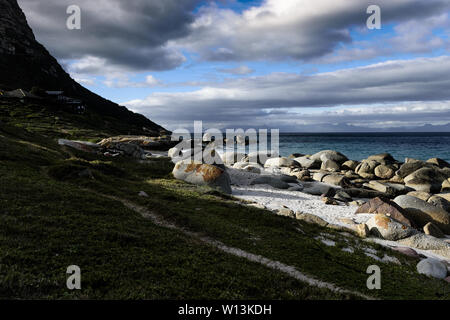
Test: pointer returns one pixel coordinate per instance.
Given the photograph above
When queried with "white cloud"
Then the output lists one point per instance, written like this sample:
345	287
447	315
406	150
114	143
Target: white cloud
259	99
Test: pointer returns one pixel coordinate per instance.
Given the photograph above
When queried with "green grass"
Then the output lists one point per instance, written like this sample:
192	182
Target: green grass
51	216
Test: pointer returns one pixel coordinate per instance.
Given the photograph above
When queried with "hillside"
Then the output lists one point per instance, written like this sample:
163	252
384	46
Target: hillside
25	63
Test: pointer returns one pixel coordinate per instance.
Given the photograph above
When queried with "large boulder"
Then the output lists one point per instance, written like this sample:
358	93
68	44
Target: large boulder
387	228
366	169
308	163
384	206
383	158
350	165
384	171
432	268
424	242
84	146
433	230
439	162
336	180
329	155
420	194
422	212
409	167
426	179
281	162
440	202
445	185
330	165
128	149
203	174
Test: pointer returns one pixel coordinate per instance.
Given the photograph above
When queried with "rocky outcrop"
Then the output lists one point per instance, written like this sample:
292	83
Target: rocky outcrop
203	174
386	207
432	268
422	212
426	179
387	228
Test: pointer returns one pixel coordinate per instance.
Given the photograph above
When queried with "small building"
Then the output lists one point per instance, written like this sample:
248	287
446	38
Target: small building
19	94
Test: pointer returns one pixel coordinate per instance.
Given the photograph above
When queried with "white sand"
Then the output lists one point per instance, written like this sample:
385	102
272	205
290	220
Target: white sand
297	201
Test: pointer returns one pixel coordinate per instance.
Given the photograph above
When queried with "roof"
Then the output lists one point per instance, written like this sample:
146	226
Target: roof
19	93
56	93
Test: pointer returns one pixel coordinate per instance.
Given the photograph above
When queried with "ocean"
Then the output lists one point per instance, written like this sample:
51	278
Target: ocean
358	146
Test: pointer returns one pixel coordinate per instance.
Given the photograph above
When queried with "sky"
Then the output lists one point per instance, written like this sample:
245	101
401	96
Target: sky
293	65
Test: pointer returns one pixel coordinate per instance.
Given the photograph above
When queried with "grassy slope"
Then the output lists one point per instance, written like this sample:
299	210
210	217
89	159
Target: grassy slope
49	220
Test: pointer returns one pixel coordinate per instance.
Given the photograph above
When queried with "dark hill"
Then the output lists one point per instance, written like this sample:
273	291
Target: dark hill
25	63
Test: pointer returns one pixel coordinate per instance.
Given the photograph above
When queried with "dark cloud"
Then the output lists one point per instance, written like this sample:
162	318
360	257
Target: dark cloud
272	98
127	34
294	29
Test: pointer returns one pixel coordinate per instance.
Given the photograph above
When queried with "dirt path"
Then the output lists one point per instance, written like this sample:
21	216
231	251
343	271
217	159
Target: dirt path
276	265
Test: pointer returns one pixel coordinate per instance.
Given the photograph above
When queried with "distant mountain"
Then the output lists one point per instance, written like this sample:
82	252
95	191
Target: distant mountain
25	63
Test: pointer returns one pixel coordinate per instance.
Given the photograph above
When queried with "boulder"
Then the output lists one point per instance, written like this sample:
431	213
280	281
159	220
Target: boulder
387	228
440	202
384	171
316	188
445	185
203	174
308	163
409	167
350	165
439	162
383	158
310	218
342	196
274	182
432	268
330	165
433	230
384	206
80	145
422	212
366	169
286	212
281	162
420	194
336	180
426	179
362	230
381	187
446	196
364	193
424	242
302	175
128	149
329	155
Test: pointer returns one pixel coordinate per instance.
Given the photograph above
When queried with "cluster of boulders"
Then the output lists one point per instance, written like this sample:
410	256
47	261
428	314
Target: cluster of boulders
137	147
409	202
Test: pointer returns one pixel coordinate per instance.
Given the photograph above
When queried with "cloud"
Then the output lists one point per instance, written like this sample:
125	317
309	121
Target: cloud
131	35
241	70
265	99
296	29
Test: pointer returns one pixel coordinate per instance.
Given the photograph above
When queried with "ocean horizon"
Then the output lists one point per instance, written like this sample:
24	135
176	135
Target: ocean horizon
360	145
